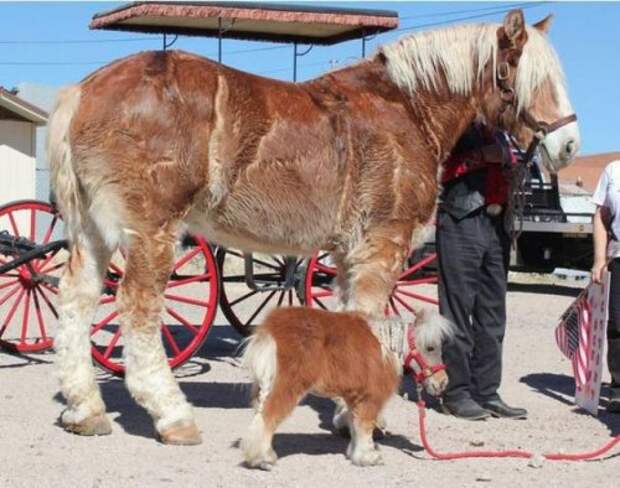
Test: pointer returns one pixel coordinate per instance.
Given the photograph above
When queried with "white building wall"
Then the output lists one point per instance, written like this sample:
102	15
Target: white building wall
18	135
17	161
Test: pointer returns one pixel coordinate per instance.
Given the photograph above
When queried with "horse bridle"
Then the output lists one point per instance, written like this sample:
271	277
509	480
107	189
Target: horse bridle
508	99
426	370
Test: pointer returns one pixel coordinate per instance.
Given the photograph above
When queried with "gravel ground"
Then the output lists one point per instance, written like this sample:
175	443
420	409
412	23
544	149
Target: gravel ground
36	452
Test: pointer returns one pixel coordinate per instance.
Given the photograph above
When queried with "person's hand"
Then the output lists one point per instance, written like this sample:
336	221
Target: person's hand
597	271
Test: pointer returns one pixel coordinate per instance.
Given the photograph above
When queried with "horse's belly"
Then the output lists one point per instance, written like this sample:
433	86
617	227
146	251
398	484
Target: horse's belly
261	222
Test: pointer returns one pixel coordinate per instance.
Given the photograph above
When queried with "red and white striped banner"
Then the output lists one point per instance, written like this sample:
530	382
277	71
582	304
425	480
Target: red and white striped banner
580	335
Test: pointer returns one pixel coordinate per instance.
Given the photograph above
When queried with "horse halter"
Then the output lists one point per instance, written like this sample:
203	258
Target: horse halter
508	99
426	370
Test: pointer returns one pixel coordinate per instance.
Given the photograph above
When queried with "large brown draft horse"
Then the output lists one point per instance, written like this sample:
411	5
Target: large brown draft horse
162	141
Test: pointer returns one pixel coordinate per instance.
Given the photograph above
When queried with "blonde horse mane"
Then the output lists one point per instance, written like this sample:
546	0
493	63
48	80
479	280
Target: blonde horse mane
461	53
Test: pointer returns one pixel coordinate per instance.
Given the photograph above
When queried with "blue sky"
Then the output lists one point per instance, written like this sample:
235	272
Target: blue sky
33	48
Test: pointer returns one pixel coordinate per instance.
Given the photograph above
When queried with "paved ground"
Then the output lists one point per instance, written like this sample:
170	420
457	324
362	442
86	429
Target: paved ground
35	452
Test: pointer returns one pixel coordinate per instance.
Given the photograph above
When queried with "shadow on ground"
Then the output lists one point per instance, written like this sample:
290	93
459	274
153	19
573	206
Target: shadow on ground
545	289
14	359
560	386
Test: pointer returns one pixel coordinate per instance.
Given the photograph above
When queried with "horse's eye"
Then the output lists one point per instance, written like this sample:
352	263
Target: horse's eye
430	349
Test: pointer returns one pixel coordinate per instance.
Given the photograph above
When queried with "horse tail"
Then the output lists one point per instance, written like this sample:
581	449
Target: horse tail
260	359
65	182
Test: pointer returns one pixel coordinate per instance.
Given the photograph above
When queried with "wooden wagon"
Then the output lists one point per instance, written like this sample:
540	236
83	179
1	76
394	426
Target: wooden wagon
33	249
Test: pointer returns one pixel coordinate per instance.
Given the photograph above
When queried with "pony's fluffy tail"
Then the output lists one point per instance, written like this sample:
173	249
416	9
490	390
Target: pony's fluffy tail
260	359
64	180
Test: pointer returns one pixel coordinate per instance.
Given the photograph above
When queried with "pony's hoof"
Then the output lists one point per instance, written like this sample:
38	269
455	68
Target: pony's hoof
368	458
182	433
96	425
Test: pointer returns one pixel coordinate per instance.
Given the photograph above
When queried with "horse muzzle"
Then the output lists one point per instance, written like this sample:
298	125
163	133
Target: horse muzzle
436	384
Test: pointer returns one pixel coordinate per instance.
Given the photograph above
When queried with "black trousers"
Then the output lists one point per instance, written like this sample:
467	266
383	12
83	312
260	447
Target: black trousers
473	255
613	328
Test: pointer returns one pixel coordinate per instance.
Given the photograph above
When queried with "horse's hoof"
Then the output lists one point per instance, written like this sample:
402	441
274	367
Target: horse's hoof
96	425
182	433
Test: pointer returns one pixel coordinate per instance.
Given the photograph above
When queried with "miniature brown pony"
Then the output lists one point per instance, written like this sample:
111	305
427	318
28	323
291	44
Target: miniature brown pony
348	162
336	354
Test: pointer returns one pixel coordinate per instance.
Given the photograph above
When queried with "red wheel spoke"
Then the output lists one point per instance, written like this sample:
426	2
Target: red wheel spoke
403	303
243	297
37	307
33	224
323	293
42	263
419	265
258	310
25	318
49	287
110	349
393	307
9	317
417	296
53	268
326	269
319	303
7	284
170	339
103	322
106	300
9	294
50	229
191	301
13	224
46	261
190	255
115	268
47	301
183	320
185	281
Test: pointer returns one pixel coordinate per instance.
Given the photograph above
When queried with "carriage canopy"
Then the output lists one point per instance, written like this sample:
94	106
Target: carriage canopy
273	22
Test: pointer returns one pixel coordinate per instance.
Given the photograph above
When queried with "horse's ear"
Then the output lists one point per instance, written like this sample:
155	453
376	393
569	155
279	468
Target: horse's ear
544	24
514	29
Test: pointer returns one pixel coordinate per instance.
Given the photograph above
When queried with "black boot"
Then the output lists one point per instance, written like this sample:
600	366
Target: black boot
498	408
464	408
613	362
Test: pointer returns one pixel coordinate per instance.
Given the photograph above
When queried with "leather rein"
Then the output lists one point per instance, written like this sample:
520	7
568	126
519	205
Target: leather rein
426	370
508	99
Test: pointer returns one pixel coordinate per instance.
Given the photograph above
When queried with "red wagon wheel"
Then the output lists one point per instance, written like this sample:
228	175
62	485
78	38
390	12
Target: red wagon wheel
191	298
412	287
254	285
28	293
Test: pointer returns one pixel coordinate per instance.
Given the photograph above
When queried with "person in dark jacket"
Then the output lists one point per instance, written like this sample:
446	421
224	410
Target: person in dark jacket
473	246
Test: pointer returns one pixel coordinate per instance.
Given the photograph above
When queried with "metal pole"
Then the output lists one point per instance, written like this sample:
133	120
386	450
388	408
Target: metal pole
219	40
164	41
294	62
297	54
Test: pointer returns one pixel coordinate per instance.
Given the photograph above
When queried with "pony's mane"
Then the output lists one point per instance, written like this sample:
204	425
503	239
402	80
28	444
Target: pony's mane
461	53
432	330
